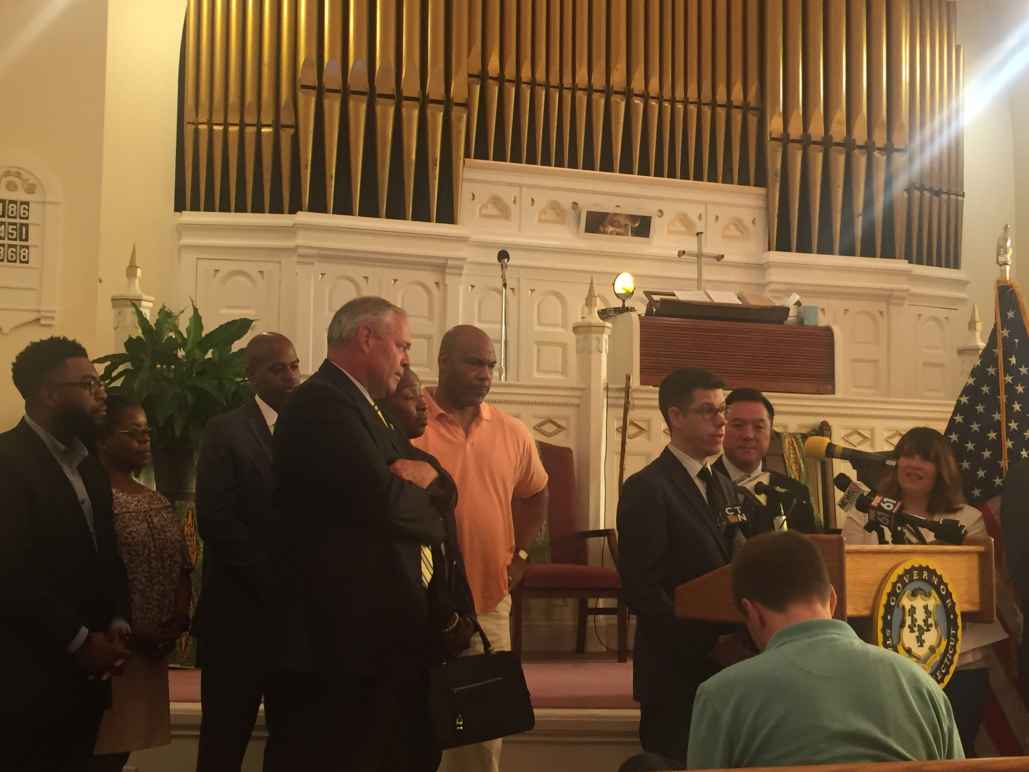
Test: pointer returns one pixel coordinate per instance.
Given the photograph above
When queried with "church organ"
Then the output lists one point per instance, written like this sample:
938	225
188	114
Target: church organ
846	111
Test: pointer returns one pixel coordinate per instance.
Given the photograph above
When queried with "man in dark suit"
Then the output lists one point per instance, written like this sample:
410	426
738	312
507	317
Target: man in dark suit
359	520
748	433
63	588
675	523
237	609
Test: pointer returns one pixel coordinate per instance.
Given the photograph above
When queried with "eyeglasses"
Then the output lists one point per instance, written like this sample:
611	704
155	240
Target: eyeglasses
92	384
139	435
708	412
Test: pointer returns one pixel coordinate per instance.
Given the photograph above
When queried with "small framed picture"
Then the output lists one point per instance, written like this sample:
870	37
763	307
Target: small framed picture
617	224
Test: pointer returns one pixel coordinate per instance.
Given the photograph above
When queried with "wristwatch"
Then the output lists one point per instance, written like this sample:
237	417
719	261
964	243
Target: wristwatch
523	555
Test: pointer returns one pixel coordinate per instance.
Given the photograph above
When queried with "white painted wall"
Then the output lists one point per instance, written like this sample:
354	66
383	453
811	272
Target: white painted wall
52	74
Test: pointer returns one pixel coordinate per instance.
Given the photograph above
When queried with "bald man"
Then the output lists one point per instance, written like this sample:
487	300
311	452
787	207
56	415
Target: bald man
238	609
502	495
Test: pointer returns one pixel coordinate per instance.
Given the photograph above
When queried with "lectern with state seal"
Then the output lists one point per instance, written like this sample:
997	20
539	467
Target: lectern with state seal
910	598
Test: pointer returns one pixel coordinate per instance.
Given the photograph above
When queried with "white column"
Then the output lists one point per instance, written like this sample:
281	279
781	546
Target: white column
125	323
591	346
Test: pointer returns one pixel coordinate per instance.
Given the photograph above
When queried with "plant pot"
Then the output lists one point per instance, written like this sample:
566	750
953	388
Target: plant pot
175	471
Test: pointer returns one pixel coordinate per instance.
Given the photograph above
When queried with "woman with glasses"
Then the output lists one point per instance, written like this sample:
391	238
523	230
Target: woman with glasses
153	547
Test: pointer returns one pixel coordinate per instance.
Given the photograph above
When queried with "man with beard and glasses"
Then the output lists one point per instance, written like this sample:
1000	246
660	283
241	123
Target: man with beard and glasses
239	596
63	588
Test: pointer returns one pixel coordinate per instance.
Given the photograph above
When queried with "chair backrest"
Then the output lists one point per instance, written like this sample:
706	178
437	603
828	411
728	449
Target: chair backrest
563	524
785	455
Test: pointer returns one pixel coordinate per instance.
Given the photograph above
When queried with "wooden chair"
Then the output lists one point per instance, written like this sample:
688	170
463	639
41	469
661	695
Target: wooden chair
785	455
568	574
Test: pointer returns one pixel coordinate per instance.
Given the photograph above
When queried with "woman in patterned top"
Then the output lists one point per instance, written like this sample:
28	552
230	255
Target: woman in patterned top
151	542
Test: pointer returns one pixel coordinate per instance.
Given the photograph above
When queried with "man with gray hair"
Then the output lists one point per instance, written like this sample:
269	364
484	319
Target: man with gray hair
359	521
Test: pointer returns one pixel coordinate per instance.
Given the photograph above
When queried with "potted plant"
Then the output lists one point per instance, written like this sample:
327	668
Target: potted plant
183	378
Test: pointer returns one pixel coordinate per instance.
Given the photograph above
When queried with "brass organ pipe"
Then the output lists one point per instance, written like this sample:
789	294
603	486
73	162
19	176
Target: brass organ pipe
251	109
617	77
721	85
234	98
692	83
582	80
814	111
525	68
509	67
269	81
385	80
935	134
706	86
559	94
857	111
925	133
436	92
667	88
653	80
898	96
836	109
774	116
491	56
736	96
947	143
753	92
458	91
218	97
332	96
474	71
679	88
877	115
411	89
287	98
598	75
189	100
794	101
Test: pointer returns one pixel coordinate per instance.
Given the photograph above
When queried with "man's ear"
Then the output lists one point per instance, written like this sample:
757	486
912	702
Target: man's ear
833	599
752	613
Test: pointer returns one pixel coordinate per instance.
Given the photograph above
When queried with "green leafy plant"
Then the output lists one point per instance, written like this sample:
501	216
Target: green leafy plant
182	378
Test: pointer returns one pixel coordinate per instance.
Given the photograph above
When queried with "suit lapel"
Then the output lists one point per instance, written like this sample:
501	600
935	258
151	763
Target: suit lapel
55	481
384	436
262	436
698	508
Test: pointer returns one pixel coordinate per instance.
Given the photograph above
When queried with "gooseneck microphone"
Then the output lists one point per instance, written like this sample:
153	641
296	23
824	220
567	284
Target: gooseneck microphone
820	447
885	512
503	257
780	522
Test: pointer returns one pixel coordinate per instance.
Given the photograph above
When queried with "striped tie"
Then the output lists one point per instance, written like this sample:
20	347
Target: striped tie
426	552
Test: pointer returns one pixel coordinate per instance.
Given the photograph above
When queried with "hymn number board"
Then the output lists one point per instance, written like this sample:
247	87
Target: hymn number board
15	239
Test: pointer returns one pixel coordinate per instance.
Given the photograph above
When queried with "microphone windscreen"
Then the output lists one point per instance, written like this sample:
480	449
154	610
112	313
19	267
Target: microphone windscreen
816	447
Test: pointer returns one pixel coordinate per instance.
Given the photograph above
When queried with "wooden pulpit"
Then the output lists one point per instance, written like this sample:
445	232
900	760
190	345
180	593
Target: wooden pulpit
857	572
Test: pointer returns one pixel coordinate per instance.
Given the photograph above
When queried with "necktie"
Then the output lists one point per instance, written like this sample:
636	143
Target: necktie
716	503
426	552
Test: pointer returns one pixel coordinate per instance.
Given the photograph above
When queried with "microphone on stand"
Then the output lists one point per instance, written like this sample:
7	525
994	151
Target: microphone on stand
503	257
884	511
820	447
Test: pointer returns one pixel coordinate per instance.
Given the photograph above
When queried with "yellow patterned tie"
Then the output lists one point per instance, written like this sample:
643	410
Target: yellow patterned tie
426	552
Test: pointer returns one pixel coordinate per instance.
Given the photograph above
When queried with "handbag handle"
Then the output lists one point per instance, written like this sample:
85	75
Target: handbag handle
487	647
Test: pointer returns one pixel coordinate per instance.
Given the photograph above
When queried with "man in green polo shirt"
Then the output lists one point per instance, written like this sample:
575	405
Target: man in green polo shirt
817	694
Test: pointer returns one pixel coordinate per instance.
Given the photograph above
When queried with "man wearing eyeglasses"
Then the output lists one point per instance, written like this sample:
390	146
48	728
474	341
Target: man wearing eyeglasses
678	519
63	588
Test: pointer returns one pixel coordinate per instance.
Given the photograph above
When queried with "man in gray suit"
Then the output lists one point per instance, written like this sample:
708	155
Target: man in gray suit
239	611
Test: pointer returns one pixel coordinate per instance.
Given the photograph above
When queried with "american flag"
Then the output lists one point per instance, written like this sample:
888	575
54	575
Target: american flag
990	424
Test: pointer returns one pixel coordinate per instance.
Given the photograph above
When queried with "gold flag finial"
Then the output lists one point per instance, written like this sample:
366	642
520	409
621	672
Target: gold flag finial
1005	252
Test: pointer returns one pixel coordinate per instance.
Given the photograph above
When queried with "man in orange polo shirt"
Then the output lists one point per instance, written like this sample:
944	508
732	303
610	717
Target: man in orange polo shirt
502	495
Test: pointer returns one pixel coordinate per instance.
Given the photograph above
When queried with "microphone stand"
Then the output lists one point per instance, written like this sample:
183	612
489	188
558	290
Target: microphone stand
503	257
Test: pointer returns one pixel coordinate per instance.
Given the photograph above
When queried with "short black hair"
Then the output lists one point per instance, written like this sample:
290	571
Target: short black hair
746	394
39	359
777	569
676	390
118	403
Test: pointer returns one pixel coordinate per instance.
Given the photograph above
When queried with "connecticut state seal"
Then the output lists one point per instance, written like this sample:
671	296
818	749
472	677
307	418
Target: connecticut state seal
917	616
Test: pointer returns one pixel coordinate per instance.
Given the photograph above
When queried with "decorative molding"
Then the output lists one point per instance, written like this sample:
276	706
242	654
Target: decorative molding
553	214
495	208
549	428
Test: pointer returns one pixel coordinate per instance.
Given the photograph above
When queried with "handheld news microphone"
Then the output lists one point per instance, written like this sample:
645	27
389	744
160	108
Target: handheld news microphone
820	447
883	510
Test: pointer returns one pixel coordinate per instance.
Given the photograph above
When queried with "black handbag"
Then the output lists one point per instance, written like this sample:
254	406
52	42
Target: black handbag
479	697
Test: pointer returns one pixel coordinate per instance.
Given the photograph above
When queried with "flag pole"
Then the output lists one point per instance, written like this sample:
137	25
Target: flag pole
1004	252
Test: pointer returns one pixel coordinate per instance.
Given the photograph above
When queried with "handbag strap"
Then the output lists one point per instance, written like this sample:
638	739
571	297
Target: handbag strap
487	647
